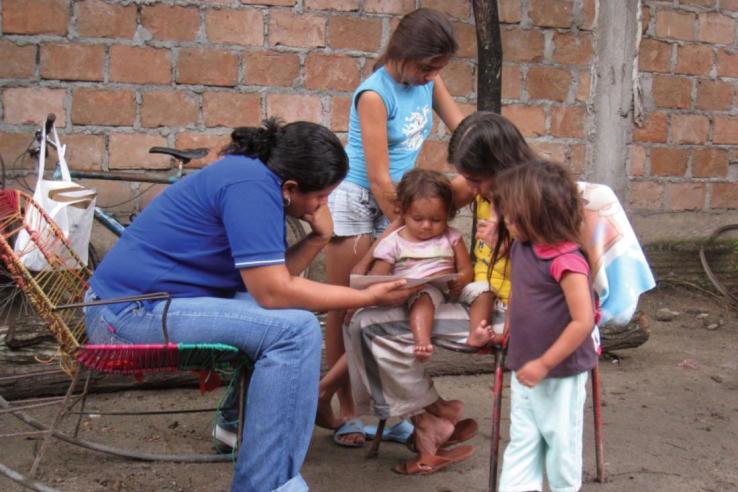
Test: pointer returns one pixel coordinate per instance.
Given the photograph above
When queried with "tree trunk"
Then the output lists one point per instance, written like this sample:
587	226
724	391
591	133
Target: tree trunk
489	55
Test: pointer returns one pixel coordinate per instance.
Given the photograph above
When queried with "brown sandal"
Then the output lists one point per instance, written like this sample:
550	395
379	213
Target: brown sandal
425	465
463	431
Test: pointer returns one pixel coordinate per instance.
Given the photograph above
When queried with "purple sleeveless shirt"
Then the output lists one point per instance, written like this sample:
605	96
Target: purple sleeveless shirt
538	310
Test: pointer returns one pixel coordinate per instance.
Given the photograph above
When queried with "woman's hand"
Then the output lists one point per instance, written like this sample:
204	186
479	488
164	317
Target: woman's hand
320	222
487	231
532	372
391	293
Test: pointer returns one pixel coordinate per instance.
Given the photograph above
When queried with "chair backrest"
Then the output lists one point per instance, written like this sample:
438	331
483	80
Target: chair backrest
64	281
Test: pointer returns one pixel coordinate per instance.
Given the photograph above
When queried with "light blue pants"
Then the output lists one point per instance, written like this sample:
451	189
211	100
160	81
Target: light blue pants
284	345
545	431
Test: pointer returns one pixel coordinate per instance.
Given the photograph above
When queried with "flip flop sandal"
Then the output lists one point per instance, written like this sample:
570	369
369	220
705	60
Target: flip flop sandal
353	426
463	431
400	432
424	465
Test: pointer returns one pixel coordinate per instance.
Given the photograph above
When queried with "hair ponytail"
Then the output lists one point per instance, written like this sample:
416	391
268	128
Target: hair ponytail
255	142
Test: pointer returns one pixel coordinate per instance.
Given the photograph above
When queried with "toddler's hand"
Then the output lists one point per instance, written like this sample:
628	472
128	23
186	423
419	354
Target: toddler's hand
487	231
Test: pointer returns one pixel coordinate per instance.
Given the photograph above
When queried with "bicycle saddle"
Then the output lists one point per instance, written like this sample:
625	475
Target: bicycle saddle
184	155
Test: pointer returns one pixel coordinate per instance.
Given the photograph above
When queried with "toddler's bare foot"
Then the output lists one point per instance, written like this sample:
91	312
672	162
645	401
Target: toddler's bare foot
480	335
423	352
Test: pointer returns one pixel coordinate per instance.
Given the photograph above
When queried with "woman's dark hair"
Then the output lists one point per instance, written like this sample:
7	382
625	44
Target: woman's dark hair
486	143
423	183
421	35
305	152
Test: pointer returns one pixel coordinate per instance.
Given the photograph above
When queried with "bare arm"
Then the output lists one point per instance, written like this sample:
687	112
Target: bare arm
579	300
365	263
463	267
373	121
445	106
381	267
300	254
273	287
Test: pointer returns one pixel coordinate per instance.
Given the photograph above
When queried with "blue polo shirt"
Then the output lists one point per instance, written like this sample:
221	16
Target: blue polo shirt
192	239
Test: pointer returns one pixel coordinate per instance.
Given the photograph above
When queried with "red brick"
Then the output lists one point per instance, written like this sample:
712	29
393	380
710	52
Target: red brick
675	25
685	196
140	65
398	7
294	107
694	59
195	140
716	28
672	92
207	67
131	151
466	37
654	56
284	3
84	151
567	121
117	197
551	151
231	109
522	46
168	108
331	72
152	191
72	61
35	17
271	68
301	30
433	156
13	148
729	5
725	195
714	95
655	129
115	107
571	49
229	26
636	160
98	19
645	18
459	78
459	9
583	87
725	131
17	62
30	105
171	23
689	128
727	63
709	163
551	13
355	33
700	3
511	82
668	161
548	83
589	12
646	194
340	5
530	120
340	108
509	11
578	159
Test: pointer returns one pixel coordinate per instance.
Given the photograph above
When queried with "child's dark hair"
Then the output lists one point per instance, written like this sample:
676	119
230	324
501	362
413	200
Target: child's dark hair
421	35
486	143
542	200
305	152
423	183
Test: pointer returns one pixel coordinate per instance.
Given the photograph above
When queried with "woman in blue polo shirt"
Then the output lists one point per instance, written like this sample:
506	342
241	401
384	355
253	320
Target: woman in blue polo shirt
216	241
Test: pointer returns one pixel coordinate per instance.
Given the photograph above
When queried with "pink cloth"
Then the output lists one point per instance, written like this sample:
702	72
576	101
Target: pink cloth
419	259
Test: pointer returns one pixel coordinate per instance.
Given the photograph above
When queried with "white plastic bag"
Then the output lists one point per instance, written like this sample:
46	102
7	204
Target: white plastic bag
70	205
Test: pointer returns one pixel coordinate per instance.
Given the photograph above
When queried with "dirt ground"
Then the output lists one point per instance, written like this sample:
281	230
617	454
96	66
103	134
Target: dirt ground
670	413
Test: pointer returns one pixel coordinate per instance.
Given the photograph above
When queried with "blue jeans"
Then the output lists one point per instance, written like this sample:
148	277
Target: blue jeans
284	345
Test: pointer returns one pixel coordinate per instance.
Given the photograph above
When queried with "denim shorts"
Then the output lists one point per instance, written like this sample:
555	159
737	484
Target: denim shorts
355	211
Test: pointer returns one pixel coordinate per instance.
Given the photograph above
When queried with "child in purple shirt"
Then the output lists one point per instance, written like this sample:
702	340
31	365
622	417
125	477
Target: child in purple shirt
552	316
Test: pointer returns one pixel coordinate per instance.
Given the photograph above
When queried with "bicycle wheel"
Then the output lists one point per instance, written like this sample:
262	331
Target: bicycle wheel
295	232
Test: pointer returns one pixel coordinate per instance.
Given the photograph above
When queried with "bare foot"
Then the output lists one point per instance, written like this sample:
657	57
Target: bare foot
325	418
480	335
451	410
430	433
423	352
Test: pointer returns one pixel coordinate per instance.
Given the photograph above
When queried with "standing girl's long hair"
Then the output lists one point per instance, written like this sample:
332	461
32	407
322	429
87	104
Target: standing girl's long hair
542	200
421	35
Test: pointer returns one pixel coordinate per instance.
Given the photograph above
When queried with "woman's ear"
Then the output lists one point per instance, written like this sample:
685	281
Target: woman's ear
289	187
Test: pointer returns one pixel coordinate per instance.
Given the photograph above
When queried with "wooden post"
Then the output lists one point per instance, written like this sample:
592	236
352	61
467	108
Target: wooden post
489	55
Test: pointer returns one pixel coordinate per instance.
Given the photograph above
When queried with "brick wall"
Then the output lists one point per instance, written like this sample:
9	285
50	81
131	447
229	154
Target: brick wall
123	75
685	155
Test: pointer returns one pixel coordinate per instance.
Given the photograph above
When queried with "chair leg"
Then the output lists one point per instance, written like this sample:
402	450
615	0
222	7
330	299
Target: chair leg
374	449
597	408
496	411
241	405
83	402
54	424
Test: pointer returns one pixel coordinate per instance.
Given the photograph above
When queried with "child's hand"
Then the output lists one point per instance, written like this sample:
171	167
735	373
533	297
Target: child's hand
456	286
487	231
532	372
